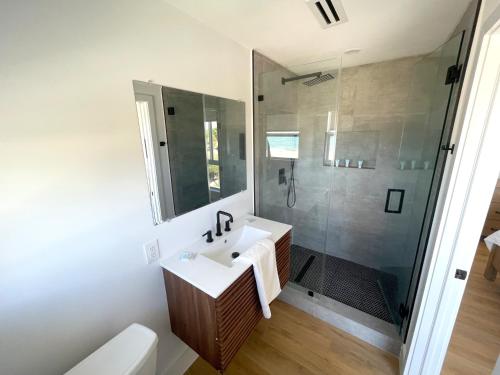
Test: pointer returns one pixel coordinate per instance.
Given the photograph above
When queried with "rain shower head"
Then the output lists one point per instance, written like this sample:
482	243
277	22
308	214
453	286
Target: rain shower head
296	78
320	79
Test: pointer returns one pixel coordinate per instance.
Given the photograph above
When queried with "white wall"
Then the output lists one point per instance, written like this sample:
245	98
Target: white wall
74	211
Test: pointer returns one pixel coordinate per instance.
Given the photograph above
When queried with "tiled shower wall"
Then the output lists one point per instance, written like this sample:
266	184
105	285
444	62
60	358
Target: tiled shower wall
391	100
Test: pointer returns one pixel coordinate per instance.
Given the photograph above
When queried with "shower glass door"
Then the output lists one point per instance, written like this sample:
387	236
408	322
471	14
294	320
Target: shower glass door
437	134
380	213
295	125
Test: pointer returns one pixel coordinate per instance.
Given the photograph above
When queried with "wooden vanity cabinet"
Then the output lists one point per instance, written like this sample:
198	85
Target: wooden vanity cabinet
216	328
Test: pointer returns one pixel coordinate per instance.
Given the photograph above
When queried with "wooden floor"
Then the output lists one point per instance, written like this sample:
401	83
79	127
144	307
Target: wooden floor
475	343
293	342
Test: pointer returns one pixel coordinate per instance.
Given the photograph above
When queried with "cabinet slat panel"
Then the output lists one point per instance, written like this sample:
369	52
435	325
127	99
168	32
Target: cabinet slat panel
235	341
237	315
238	308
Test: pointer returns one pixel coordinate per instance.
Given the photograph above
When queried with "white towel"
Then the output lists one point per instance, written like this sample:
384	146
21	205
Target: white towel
263	258
492	239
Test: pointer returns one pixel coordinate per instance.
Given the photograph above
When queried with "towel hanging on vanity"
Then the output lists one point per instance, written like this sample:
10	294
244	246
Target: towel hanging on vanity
262	256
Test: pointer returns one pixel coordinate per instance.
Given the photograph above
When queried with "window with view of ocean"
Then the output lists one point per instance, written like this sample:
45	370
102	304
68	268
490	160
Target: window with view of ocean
283	144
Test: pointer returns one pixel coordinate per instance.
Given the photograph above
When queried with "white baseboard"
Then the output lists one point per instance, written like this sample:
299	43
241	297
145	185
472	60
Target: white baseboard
181	364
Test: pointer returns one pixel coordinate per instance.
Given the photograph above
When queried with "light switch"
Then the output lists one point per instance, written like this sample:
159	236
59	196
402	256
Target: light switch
152	251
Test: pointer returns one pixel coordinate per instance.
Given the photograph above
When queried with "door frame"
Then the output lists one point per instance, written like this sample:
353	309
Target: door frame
463	205
161	156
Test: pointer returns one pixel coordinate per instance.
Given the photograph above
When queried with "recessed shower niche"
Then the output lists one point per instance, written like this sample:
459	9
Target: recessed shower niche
359	147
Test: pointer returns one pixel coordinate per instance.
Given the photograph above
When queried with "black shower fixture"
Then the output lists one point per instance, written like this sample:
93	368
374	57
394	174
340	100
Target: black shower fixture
317	78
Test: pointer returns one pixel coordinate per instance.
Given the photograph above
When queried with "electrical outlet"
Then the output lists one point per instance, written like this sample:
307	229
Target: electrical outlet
152	251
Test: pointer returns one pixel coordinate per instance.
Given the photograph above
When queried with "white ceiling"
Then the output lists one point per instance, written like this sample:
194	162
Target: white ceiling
288	32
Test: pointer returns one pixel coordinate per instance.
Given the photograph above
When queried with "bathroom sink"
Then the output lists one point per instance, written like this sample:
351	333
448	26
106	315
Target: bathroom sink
237	241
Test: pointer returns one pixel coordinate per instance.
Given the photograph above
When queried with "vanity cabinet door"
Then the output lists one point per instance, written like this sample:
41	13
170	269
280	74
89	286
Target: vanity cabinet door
238	311
192	317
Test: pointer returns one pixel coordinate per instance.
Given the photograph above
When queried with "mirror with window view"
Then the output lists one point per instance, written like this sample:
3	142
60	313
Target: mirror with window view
193	146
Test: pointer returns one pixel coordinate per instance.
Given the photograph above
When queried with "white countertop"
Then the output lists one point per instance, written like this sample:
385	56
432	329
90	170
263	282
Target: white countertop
210	276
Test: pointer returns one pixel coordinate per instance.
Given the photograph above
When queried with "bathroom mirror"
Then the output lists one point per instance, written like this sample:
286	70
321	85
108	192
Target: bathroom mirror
193	146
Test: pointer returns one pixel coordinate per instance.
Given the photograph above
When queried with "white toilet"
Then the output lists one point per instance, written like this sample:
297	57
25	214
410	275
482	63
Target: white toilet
131	352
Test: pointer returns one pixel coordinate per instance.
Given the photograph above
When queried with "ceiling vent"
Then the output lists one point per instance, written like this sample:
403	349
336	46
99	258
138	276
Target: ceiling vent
328	12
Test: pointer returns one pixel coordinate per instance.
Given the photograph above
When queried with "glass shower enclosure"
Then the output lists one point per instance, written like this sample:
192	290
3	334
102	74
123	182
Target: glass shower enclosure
352	159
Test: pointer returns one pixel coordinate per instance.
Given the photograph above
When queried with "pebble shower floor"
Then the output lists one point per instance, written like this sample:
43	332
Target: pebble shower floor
344	281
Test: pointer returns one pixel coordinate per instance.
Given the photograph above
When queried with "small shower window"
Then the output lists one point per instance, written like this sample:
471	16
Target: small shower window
283	144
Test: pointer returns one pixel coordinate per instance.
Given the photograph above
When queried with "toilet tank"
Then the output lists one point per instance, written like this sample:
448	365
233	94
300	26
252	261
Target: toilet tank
131	352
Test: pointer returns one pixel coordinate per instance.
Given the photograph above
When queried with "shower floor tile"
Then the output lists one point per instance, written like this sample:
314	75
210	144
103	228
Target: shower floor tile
347	282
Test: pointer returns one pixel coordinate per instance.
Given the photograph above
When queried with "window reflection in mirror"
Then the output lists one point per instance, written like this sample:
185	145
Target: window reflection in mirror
193	146
212	144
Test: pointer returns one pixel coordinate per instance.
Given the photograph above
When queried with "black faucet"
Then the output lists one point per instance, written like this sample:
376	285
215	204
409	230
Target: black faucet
228	228
209	236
